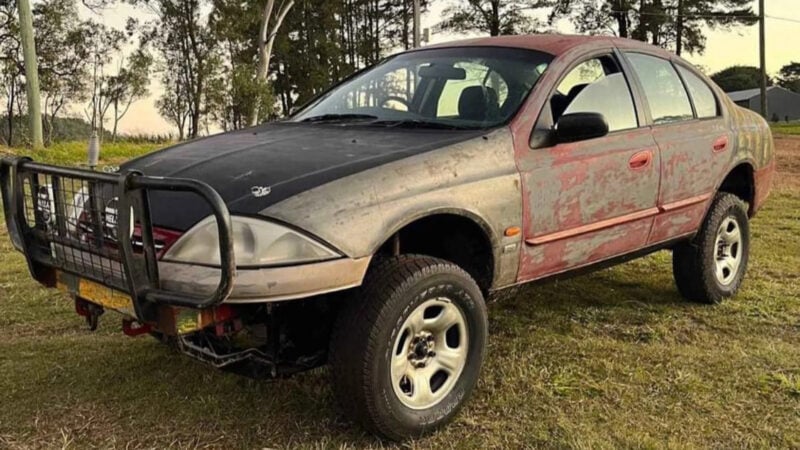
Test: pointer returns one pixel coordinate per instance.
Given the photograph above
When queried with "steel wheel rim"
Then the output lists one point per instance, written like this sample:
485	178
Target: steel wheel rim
728	255
429	353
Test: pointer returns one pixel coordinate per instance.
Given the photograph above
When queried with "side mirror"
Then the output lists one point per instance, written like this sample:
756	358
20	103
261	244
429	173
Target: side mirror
580	127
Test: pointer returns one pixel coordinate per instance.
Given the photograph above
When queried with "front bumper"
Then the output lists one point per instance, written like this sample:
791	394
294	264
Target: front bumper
268	284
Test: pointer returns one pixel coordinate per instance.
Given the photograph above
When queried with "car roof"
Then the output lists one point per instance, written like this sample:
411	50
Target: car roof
554	44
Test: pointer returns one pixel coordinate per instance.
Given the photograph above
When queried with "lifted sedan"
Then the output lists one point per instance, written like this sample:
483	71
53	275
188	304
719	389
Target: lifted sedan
369	229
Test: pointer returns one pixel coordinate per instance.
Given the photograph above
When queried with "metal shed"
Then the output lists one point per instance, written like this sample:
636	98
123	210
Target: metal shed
782	103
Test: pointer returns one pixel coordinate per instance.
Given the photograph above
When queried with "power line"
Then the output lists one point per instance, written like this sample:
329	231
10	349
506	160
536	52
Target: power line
708	16
787	19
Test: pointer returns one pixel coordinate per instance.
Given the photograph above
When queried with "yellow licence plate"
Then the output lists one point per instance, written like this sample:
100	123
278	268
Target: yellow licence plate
105	296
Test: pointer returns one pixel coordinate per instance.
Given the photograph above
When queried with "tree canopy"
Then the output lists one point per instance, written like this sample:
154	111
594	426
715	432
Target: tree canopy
789	76
739	78
673	24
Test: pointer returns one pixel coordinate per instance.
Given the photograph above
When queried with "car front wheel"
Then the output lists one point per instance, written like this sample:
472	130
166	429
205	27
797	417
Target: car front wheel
408	348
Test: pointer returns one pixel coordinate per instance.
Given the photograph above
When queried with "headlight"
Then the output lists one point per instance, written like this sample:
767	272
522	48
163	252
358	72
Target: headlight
255	243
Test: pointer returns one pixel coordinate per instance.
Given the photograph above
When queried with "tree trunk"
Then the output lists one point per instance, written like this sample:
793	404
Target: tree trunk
11	98
116	121
679	29
622	18
494	26
265	43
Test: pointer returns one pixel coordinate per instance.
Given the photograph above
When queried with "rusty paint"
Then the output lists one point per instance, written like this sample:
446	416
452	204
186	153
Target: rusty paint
595	226
684	203
763	179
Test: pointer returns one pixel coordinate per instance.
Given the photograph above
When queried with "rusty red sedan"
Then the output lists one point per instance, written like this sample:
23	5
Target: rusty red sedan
369	229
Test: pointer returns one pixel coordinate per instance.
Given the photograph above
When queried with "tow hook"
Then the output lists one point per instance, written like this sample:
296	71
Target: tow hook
90	312
135	328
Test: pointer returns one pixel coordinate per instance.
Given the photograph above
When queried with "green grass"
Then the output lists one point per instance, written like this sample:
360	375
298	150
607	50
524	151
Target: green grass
608	360
786	128
75	153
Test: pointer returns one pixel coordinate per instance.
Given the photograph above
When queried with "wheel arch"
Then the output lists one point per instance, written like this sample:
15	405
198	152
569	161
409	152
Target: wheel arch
740	181
457	235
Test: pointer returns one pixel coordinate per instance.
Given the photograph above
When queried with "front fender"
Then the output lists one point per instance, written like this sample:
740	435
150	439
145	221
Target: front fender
476	178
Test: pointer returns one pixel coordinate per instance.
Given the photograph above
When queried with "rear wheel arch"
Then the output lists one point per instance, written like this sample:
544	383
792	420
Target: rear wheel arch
740	181
458	236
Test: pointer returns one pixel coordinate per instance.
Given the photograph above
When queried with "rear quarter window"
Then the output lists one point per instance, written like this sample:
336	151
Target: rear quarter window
703	97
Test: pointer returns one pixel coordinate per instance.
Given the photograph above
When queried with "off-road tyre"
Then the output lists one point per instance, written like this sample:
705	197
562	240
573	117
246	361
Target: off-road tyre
694	262
364	336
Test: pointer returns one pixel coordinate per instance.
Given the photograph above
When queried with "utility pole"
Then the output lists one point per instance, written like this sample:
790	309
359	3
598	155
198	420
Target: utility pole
31	72
763	50
416	24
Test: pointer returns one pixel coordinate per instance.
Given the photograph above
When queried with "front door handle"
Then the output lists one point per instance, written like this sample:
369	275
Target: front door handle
640	160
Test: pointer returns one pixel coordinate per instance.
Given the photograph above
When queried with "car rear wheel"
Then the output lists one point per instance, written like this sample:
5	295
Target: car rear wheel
712	266
407	349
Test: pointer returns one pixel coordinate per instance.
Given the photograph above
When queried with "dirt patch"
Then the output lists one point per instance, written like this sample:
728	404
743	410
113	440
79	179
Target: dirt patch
787	149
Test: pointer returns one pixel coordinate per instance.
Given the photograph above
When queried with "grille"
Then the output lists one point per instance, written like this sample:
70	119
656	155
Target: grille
74	225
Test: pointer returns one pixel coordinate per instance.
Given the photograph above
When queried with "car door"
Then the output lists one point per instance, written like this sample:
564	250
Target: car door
693	139
593	199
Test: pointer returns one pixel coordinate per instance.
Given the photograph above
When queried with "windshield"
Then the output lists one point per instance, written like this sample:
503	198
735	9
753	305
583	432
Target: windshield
464	87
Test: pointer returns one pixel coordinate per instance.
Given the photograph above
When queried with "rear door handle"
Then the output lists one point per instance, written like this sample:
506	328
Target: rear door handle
720	144
640	160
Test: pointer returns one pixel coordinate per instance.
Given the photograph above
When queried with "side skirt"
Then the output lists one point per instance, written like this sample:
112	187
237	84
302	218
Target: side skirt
603	263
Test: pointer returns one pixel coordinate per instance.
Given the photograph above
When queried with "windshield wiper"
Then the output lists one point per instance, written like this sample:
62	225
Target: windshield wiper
338	117
418	123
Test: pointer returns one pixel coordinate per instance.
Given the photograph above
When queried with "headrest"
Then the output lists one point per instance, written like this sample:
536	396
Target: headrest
478	103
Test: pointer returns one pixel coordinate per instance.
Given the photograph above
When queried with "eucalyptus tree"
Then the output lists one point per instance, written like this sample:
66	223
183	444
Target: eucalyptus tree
187	58
494	17
11	65
675	24
131	83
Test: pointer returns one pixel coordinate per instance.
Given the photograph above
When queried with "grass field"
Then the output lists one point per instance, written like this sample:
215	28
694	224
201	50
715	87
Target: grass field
608	360
786	128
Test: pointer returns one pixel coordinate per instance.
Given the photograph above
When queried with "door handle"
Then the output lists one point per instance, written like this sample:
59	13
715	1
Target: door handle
720	144
640	160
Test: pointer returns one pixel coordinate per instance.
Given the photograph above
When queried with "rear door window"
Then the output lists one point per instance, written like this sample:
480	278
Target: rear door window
665	93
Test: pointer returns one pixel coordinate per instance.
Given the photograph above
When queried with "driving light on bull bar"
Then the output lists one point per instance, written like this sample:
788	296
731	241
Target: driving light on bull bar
255	243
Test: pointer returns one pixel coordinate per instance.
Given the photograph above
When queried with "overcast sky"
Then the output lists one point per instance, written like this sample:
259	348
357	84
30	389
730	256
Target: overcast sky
723	49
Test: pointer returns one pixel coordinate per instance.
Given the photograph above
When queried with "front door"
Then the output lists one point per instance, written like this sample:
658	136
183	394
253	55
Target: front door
593	199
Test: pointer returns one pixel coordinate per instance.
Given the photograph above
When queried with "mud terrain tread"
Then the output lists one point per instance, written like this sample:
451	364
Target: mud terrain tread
691	261
352	342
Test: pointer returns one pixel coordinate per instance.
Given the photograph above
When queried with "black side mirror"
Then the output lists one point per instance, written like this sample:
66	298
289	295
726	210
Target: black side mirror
580	127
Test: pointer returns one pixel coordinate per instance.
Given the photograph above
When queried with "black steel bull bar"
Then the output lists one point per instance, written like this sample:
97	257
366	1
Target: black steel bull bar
97	226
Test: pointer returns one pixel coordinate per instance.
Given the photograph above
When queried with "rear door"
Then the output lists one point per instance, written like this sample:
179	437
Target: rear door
693	139
593	199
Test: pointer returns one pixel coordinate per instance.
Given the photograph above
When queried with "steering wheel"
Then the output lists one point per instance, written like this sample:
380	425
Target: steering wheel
394	98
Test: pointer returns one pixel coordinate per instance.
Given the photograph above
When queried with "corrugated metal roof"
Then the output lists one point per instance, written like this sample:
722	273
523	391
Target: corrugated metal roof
747	94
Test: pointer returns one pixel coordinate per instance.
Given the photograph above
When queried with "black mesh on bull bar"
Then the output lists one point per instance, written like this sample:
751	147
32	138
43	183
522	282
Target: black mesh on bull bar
84	222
